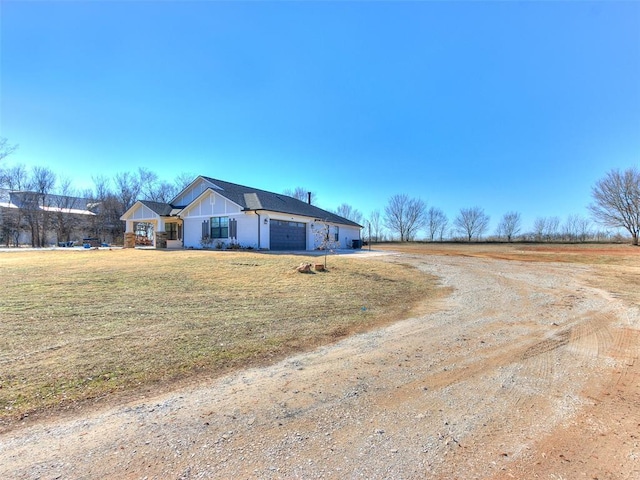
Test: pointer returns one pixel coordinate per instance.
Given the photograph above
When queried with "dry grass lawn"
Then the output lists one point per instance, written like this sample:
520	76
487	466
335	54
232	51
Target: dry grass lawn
614	267
82	325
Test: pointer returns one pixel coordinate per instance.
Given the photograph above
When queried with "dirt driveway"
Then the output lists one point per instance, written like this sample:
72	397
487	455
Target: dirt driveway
523	372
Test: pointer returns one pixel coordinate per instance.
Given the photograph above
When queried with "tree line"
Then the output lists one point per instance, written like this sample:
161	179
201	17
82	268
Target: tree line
40	188
109	198
404	218
615	208
615	205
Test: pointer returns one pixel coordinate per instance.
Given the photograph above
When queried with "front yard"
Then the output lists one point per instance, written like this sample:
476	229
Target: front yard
93	324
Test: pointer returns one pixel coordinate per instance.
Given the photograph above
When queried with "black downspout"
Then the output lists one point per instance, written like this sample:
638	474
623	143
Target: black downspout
259	226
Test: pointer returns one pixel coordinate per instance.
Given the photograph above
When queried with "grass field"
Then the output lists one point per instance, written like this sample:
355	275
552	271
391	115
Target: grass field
90	324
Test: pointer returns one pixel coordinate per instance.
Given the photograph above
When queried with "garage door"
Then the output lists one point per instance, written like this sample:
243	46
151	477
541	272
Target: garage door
288	235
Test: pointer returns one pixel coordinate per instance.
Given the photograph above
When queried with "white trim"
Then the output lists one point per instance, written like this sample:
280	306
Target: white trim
147	213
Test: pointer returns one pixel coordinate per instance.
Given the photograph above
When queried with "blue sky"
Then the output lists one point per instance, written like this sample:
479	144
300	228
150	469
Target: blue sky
503	105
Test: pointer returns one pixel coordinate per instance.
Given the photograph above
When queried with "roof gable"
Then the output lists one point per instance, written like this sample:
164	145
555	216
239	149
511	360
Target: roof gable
191	192
144	210
211	202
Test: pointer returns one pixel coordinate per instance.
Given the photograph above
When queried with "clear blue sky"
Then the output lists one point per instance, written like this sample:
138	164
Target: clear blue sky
503	105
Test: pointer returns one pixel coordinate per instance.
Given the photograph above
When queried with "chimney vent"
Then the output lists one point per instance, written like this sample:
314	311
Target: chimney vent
309	197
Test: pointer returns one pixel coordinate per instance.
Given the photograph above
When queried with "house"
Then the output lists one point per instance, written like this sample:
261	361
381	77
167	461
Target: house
42	219
211	213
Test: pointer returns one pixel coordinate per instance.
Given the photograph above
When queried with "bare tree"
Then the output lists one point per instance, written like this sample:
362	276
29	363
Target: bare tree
35	202
616	201
42	179
108	208
570	228
583	228
182	181
98	196
347	211
13	221
6	218
166	191
10	221
539	227
436	223
15	178
509	225
64	220
152	188
5	151
545	229
375	226
147	182
405	216
5	148
472	222
301	194
552	228
127	189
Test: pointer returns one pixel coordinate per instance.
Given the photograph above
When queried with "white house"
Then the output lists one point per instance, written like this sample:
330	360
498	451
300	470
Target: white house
217	214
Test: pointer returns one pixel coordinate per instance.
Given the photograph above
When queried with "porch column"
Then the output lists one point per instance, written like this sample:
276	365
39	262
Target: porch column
161	239
161	234
129	235
129	240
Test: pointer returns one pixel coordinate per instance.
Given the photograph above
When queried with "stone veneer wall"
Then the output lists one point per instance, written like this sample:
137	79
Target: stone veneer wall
161	239
129	240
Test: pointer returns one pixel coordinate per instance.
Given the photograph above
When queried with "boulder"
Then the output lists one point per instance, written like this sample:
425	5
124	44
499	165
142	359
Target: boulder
304	268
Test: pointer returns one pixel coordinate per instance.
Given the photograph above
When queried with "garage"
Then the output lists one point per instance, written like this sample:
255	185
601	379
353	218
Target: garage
285	235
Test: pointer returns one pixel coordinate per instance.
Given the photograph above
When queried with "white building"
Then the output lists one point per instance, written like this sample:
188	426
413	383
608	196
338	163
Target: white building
212	213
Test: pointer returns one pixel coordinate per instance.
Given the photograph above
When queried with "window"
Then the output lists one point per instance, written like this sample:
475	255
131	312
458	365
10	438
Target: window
285	223
337	235
220	227
172	231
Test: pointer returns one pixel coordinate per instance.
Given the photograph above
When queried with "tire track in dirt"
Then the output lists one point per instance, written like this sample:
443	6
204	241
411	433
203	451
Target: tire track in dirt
517	375
536	384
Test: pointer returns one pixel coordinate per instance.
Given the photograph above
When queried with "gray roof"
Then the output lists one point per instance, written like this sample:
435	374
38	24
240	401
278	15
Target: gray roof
163	209
256	199
19	197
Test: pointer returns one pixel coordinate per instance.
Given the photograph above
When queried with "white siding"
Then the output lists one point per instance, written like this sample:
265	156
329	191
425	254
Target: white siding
214	205
247	230
192	232
346	235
